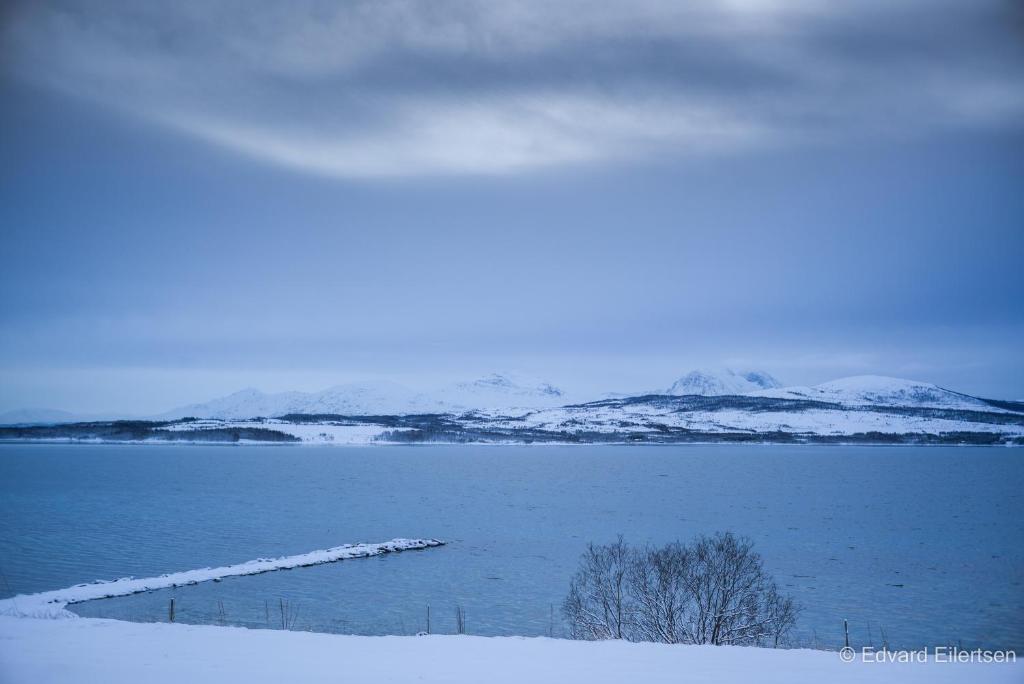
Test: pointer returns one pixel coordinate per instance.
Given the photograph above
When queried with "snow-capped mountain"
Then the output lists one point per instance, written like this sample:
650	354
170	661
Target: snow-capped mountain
355	398
501	390
879	390
495	391
722	382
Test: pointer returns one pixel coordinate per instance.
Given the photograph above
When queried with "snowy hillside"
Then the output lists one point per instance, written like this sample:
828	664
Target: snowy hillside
878	390
695	418
721	382
381	398
500	390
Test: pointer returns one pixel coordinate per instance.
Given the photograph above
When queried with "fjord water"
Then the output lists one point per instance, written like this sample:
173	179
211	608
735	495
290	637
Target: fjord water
925	543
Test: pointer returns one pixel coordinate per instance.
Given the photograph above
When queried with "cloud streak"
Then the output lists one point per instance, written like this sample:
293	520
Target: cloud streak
394	88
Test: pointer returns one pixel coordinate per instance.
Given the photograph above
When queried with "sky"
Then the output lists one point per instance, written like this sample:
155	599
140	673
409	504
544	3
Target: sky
197	197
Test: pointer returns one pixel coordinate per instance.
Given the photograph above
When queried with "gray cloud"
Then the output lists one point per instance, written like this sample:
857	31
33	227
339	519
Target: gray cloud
376	89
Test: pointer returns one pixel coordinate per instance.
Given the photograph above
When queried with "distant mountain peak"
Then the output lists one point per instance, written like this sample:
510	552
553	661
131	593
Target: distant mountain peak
508	383
875	383
380	397
716	382
495	379
248	392
881	390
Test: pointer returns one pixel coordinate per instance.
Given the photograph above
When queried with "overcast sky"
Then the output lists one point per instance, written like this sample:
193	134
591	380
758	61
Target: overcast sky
202	196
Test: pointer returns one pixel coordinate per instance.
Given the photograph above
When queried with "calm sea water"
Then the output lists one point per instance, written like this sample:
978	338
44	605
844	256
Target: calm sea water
925	543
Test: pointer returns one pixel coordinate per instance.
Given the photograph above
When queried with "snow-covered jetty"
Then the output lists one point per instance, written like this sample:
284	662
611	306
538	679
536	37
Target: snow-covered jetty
53	604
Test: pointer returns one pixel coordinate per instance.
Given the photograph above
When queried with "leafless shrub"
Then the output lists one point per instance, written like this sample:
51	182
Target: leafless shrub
598	606
782	611
713	590
460	620
222	616
657	586
289	613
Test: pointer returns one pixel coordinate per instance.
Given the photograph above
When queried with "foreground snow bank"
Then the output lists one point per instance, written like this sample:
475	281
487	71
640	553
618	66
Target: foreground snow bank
86	650
52	604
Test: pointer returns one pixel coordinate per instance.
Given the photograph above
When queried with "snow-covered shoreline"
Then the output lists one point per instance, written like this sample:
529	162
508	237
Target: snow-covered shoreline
53	604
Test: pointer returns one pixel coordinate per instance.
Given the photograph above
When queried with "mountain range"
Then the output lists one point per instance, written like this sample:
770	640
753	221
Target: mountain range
498	390
703	405
507	391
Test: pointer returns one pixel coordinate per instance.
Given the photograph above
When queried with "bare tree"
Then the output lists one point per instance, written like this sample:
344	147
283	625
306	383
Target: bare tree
711	591
783	612
658	589
730	592
598	606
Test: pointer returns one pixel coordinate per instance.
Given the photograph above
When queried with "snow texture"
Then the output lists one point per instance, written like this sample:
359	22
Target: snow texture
112	652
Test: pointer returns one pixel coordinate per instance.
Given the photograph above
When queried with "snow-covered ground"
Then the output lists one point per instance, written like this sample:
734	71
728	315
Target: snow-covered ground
111	652
53	604
641	416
